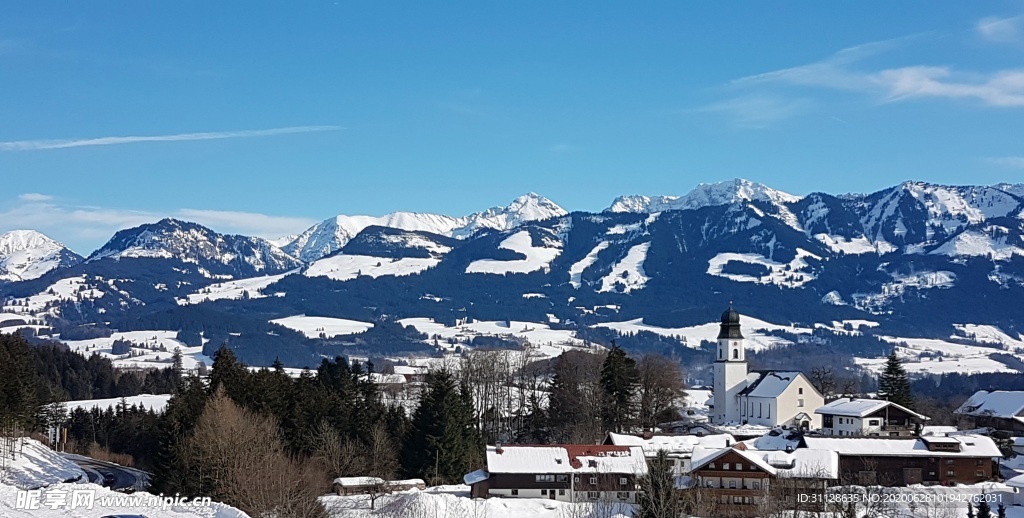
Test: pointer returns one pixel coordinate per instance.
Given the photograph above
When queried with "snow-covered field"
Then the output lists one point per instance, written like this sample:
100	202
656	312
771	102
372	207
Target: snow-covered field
150	349
234	290
347	267
454	502
545	342
693	335
537	257
628	274
313	327
71	288
988	335
921	355
153	402
790	275
855	246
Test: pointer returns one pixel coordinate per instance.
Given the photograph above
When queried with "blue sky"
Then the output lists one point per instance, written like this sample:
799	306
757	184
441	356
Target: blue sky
261	118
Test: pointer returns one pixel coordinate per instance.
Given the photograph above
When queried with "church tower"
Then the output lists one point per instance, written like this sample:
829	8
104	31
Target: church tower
730	370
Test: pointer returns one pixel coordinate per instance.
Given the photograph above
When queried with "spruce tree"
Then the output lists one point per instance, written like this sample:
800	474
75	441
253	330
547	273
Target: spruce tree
984	510
1001	511
619	379
658	497
443	443
893	384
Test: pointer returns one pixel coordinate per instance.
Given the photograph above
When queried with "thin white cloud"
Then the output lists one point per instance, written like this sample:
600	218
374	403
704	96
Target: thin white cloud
839	72
85	228
35	145
757	111
1001	30
34	196
1008	161
1001	89
247	223
832	72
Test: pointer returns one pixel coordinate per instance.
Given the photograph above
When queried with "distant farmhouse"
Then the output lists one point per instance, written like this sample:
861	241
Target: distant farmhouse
765	398
1001	410
566	472
869	417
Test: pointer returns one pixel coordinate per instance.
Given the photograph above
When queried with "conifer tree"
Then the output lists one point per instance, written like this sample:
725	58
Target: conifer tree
657	497
443	443
984	510
619	379
893	384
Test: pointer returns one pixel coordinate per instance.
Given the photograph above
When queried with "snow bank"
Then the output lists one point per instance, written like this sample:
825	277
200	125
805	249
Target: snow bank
38	466
104	502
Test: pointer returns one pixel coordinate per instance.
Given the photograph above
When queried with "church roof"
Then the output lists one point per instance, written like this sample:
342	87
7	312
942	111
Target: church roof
769	384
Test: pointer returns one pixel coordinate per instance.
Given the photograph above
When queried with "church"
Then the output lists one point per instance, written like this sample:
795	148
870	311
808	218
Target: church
766	398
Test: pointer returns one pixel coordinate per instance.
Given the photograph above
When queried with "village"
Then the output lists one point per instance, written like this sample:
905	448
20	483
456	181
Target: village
761	443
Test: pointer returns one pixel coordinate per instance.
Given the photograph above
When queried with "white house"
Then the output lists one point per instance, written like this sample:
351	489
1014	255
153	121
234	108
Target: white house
564	472
869	417
765	398
678	448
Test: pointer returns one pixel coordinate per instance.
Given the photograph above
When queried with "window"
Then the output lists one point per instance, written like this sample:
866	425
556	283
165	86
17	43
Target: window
735	354
623	481
622	495
800	391
725	465
545	478
732	484
561	478
543	492
979	473
593	481
800	402
719	354
592	495
950	473
711	466
872	422
515	492
949	462
755	485
561	492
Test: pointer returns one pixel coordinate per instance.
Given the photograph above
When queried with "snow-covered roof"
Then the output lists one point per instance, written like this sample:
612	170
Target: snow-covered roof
1017	481
703	456
970	446
999	403
566	458
479	475
409	370
853	407
938	430
357	481
672	444
769	384
1018	441
803	462
777	439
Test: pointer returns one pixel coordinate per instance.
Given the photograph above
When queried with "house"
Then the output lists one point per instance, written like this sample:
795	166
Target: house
932	460
1000	409
366	485
869	417
564	472
736	480
764	398
678	448
744	482
1018	445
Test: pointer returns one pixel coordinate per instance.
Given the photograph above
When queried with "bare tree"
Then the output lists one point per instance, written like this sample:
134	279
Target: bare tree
339	457
661	383
824	379
240	457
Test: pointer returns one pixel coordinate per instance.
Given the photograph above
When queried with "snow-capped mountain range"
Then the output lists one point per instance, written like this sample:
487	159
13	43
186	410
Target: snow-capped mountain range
332	234
915	257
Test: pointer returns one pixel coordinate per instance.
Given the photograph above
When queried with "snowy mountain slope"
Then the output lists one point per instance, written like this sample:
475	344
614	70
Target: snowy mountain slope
27	254
530	256
332	234
193	243
704	195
